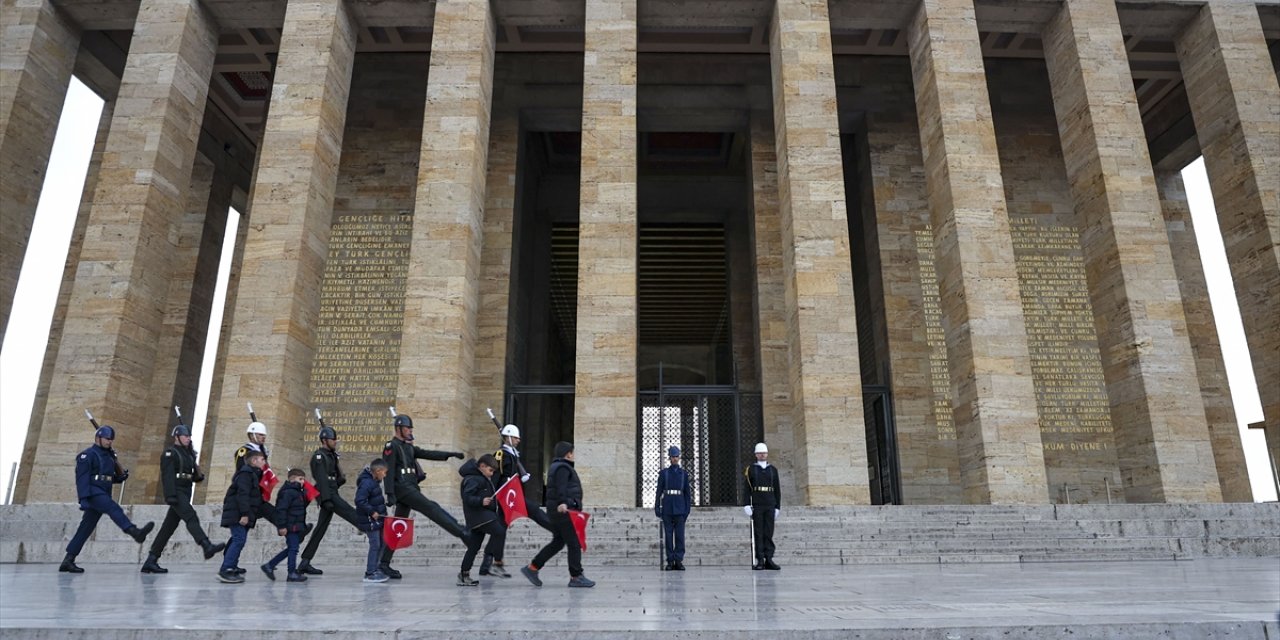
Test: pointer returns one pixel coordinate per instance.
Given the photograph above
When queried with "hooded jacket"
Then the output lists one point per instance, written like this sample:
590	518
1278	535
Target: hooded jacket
369	498
291	508
243	498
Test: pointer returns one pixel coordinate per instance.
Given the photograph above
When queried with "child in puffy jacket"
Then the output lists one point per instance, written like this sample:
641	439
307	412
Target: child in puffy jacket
371	504
291	513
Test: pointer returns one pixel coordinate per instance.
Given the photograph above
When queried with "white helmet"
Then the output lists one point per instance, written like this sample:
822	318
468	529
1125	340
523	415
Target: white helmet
511	430
760	448
256	428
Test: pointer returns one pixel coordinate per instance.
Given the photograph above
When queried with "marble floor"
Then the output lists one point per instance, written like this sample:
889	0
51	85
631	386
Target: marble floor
631	600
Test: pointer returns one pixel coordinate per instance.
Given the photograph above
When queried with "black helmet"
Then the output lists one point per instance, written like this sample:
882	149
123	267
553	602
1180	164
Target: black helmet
180	430
401	420
327	433
105	431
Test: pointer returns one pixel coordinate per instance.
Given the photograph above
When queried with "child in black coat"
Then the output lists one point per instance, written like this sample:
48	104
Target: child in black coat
371	503
481	510
291	512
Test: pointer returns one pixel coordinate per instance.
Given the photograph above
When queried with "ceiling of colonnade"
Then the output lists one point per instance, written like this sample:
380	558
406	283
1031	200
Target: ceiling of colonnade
1008	29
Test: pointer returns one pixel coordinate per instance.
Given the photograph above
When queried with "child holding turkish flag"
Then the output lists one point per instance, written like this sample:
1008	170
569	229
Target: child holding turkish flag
372	504
564	496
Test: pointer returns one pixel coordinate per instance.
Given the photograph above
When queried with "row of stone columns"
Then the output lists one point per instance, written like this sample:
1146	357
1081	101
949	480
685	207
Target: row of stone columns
114	328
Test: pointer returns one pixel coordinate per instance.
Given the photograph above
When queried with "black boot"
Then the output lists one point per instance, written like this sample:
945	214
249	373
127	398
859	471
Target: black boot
69	565
140	535
152	565
306	569
211	549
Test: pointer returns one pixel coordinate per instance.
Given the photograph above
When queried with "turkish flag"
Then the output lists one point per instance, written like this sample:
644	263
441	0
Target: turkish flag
268	482
310	491
511	496
397	533
579	519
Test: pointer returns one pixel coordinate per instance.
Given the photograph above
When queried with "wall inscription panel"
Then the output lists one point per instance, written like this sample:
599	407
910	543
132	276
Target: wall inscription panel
939	374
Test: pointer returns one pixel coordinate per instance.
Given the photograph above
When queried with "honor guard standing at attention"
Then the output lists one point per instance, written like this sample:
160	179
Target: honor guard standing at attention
675	496
764	503
328	478
179	471
508	457
401	485
96	471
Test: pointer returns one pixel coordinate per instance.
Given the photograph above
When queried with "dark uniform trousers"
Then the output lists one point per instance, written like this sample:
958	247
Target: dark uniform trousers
562	535
673	537
94	508
181	511
409	498
762	526
328	508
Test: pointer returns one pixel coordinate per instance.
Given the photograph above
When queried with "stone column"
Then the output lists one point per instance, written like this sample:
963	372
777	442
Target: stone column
775	354
489	381
175	375
1162	439
826	383
273	334
36	423
993	397
437	350
37	53
115	315
1215	391
604	411
1235	102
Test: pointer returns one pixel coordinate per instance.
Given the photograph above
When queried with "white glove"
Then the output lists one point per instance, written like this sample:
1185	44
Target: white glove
776	512
524	478
747	510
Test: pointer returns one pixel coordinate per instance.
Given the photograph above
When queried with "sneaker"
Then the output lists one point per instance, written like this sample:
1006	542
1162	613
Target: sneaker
581	581
465	580
532	576
296	577
496	571
376	577
270	571
238	571
387	571
229	577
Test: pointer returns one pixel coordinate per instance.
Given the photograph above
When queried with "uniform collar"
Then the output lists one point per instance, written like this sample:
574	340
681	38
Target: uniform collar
763	464
510	449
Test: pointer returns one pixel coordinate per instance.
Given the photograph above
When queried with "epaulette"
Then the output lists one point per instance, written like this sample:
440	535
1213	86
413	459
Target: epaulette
241	452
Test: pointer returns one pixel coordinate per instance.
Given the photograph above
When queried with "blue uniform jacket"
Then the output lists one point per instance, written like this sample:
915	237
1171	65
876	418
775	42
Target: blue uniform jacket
673	479
96	472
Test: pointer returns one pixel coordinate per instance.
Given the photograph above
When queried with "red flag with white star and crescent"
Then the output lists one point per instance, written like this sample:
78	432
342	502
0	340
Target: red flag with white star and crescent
397	533
511	496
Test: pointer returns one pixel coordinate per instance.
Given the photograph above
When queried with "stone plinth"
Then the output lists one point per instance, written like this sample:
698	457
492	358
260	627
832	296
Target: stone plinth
604	411
993	399
1235	102
272	339
37	52
1161	435
116	312
821	329
437	349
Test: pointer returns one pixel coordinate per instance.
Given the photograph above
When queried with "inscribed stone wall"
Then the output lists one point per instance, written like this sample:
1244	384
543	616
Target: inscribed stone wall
1071	395
354	376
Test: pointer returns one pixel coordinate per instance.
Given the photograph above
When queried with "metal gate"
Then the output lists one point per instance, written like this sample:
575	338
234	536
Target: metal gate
716	428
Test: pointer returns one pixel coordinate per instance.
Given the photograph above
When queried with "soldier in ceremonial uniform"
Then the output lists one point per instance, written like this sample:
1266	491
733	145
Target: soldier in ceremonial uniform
508	456
96	471
401	485
179	471
675	496
764	503
328	477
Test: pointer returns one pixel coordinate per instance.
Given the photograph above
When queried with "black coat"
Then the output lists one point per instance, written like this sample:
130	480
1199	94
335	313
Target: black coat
244	497
178	471
763	491
326	473
291	507
563	486
403	471
475	488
